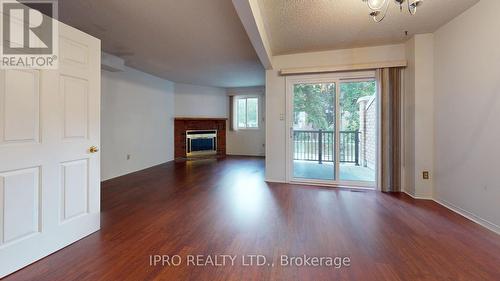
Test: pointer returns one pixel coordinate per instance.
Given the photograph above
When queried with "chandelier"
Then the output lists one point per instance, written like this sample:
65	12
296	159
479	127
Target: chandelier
380	7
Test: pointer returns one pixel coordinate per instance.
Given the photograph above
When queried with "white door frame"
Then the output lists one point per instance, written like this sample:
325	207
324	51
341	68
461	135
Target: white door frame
337	78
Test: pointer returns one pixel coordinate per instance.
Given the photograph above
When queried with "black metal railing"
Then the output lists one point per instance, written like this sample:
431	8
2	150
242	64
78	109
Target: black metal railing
320	146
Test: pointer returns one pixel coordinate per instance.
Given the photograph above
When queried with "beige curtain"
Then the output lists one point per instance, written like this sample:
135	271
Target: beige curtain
389	83
231	113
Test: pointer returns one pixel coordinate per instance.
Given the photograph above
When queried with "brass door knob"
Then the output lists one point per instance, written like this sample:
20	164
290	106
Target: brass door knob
93	149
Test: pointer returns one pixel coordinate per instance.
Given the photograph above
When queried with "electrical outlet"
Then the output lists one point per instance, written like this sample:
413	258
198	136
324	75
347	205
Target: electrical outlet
128	156
425	175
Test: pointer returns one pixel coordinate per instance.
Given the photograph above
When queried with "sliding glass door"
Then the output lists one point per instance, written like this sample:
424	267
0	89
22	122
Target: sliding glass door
333	129
358	131
313	131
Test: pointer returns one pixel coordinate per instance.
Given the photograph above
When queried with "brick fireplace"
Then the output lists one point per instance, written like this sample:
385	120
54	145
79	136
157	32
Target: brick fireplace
183	125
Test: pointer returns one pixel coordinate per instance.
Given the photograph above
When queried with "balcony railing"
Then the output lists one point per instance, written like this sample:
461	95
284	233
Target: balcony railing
320	146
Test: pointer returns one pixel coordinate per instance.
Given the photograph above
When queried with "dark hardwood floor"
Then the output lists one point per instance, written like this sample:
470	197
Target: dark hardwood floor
215	207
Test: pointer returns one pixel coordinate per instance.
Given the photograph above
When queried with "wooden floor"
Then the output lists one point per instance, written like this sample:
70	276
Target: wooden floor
215	207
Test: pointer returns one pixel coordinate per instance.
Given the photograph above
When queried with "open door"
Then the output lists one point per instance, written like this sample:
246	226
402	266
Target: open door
49	175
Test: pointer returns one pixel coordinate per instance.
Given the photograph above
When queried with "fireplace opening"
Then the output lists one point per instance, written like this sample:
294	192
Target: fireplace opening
201	142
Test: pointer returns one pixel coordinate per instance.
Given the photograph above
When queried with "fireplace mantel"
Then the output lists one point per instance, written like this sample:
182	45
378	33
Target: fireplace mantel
200	118
183	124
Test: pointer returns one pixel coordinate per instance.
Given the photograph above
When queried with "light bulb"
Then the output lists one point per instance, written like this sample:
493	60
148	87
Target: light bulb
376	4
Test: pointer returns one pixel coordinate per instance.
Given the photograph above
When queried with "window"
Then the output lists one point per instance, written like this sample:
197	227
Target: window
247	112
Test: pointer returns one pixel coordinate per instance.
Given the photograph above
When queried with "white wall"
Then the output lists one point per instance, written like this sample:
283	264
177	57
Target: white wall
276	128
203	101
200	101
467	102
248	142
137	112
137	118
419	116
408	100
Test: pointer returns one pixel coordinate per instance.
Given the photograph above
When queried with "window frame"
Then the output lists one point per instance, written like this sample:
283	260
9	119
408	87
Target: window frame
246	98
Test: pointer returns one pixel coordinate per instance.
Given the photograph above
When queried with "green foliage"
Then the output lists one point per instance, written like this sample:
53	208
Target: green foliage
318	102
242	113
247	112
349	95
252	114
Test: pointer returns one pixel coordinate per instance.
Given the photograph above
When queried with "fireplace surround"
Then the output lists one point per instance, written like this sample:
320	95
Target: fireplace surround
195	137
201	142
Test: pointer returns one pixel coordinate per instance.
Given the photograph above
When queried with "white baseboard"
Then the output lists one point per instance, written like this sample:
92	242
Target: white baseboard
246	154
273	180
134	170
464	213
418	196
487	224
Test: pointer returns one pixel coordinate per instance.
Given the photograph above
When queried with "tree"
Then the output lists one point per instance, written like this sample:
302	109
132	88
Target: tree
349	96
318	102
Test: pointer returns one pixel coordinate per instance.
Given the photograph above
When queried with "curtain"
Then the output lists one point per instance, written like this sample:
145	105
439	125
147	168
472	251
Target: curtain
232	114
389	83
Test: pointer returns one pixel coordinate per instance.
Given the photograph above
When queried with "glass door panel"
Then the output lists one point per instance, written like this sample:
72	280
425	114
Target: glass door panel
313	131
358	131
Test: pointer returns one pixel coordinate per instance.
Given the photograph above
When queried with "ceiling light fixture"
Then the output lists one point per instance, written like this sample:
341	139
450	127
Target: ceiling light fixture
380	7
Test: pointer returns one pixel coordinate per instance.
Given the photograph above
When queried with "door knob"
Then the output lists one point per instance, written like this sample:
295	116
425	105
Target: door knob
93	149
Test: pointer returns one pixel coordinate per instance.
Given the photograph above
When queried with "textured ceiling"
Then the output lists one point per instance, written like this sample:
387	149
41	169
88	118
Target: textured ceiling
190	41
295	26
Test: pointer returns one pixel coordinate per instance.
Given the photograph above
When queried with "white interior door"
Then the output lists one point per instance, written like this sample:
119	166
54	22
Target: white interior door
49	179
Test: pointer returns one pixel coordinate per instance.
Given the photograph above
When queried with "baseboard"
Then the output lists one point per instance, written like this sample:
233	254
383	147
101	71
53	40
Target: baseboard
275	181
464	213
417	196
248	155
135	171
487	224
